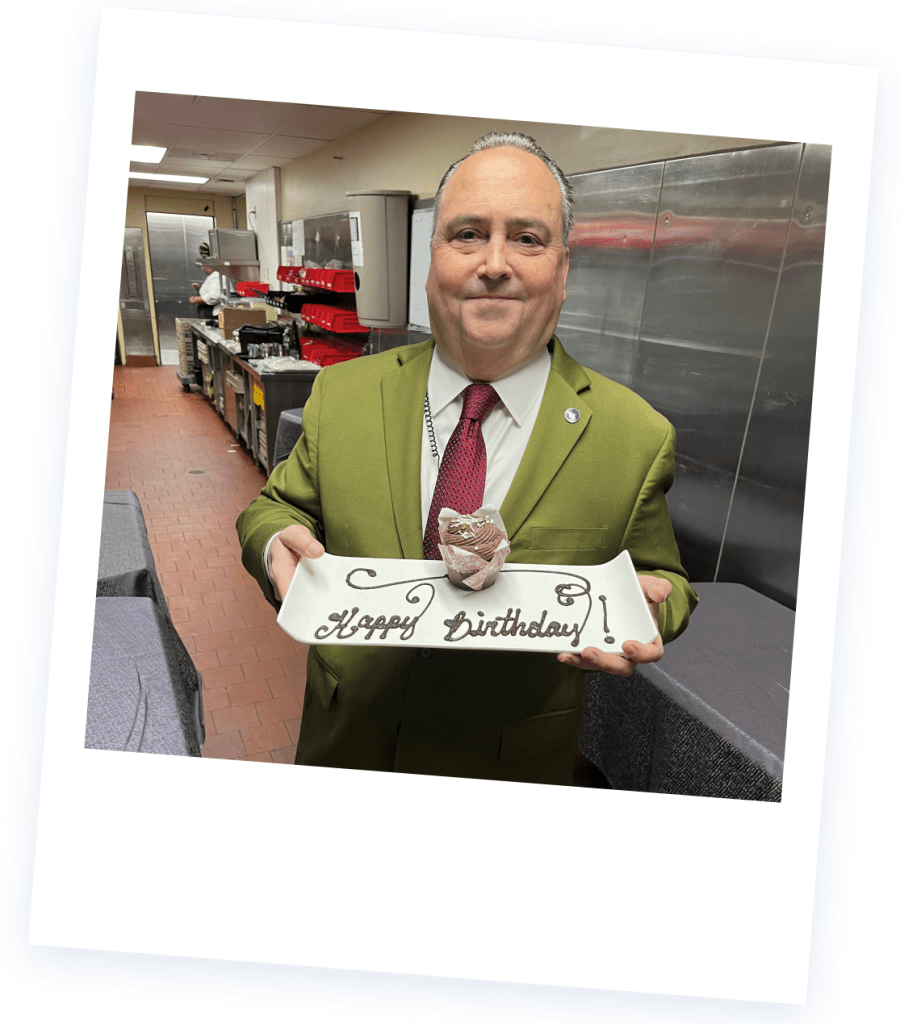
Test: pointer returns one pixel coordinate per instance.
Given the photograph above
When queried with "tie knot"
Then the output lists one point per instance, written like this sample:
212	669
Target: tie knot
478	400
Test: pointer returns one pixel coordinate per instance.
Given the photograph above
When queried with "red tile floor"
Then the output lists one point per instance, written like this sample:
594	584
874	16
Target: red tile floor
193	478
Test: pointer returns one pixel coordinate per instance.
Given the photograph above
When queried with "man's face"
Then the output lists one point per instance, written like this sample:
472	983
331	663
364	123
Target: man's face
498	266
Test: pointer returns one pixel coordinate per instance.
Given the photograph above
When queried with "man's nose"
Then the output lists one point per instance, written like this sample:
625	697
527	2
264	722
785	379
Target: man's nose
495	264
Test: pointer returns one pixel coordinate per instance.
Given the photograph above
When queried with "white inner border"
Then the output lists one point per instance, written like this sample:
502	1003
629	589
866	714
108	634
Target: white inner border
436	876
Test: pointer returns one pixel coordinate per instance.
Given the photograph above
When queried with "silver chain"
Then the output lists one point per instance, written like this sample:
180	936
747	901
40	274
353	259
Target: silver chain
430	424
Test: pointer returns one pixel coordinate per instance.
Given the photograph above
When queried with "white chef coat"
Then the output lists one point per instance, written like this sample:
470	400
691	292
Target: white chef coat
211	292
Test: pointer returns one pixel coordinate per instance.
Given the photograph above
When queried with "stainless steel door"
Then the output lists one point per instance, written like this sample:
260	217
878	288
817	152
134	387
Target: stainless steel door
174	240
134	302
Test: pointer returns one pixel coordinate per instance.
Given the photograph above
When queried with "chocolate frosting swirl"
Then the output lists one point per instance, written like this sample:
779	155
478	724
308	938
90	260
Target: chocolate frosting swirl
474	533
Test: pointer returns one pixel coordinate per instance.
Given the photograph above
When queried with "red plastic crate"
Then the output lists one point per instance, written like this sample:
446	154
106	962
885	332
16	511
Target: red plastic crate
341	321
251	289
290	275
325	353
333	280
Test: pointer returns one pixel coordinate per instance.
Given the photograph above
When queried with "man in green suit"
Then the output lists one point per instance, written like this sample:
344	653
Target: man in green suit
578	465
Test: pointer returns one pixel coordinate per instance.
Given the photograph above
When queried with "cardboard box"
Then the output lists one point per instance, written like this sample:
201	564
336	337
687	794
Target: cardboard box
232	317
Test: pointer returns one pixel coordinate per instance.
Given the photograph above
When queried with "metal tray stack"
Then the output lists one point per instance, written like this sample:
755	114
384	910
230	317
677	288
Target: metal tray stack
185	346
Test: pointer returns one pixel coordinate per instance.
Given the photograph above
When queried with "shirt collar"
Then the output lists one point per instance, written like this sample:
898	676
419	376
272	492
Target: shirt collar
518	390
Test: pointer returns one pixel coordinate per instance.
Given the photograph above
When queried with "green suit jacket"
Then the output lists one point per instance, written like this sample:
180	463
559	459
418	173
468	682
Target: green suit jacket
584	491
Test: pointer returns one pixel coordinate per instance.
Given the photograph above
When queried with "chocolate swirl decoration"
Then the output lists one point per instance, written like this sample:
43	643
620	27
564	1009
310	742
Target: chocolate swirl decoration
567	593
396	583
411	595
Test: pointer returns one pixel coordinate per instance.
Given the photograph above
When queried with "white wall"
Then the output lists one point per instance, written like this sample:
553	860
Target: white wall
263	194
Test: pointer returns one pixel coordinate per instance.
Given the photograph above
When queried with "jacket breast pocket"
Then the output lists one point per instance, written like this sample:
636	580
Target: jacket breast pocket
551	538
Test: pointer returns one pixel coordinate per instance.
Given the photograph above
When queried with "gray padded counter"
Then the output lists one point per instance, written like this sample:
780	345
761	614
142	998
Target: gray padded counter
290	427
126	567
145	692
710	718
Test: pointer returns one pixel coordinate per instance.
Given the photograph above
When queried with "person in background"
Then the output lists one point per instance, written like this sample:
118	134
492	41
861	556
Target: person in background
578	465
209	297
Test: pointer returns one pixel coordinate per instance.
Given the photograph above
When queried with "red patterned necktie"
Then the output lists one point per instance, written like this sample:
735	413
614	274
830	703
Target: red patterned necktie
460	481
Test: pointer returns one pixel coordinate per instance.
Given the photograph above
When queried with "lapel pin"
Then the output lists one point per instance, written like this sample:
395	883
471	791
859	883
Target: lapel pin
572	415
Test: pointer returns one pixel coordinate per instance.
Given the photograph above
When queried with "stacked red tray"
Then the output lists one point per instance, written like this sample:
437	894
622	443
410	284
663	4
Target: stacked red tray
318	277
331	318
290	275
326	352
251	289
333	280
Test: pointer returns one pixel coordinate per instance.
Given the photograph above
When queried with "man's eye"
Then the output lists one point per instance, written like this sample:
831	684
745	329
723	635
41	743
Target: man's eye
529	240
467	235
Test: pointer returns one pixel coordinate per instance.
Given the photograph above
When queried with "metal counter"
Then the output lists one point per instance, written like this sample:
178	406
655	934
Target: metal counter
250	401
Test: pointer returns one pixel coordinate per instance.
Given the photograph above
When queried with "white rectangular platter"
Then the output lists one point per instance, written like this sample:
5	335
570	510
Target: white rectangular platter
395	602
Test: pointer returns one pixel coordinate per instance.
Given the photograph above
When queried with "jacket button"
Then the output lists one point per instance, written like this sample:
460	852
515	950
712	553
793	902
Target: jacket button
425	652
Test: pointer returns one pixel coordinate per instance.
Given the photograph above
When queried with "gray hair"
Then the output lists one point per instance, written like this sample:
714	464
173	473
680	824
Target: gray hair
514	140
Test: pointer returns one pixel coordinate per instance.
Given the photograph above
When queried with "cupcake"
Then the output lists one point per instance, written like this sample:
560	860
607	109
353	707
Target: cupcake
474	546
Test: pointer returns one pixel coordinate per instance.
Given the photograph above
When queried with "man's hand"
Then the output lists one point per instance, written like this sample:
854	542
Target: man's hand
288	547
593	660
195	285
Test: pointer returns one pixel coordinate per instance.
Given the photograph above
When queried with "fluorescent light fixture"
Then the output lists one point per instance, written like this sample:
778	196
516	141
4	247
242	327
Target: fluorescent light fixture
187	178
147	154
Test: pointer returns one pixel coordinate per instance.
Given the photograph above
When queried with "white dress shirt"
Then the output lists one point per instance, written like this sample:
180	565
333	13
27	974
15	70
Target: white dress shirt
506	429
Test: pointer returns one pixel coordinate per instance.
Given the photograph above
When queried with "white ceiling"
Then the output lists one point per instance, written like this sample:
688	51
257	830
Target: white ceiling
231	140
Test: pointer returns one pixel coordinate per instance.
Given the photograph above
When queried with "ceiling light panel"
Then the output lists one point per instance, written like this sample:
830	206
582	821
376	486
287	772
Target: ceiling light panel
147	154
182	178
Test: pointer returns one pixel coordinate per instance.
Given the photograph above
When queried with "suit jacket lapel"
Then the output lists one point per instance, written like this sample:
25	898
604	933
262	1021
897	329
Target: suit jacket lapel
403	399
551	440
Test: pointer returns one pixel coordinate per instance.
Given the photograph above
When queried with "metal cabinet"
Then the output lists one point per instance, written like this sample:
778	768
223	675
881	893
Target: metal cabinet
250	402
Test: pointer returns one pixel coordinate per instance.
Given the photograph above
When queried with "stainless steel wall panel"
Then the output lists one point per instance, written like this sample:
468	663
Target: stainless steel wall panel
720	236
610	249
762	542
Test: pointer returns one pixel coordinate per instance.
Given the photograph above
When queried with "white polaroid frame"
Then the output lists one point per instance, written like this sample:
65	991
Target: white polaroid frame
428	875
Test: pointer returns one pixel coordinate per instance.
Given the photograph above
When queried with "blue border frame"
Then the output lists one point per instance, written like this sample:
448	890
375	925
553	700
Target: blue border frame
170	979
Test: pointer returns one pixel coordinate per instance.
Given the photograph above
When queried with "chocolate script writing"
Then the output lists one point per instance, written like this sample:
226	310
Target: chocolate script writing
397	629
461	626
344	626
